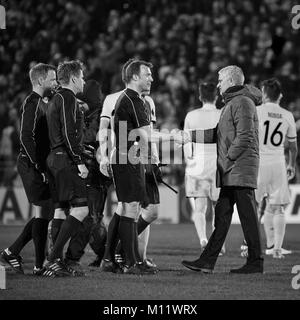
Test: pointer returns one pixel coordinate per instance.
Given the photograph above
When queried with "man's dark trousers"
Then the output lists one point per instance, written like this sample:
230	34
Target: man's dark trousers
244	199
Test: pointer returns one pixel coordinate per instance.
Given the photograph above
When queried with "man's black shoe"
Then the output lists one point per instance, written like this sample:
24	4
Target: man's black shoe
14	261
110	266
134	269
247	269
146	269
137	269
43	272
56	268
96	263
74	267
197	266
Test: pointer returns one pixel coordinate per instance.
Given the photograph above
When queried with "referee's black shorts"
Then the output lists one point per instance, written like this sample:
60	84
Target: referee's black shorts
129	180
67	185
152	192
36	190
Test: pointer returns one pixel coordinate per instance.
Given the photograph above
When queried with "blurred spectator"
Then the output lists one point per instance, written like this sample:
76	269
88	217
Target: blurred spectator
9	149
187	41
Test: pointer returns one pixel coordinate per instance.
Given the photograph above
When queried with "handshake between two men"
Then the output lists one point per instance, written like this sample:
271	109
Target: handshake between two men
146	136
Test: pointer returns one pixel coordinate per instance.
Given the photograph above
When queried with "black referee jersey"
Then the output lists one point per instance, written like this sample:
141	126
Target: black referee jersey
34	139
133	110
63	126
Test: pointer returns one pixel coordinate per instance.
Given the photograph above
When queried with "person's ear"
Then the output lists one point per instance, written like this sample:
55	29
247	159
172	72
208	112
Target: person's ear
135	77
40	81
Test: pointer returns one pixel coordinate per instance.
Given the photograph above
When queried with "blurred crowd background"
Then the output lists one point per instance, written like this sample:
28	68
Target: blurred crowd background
187	42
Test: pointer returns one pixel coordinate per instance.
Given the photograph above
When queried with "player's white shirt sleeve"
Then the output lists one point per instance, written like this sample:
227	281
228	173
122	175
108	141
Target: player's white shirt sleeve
292	131
186	122
109	104
107	108
188	146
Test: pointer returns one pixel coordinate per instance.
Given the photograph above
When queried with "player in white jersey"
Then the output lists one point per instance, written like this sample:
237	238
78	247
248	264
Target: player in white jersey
276	126
201	161
104	137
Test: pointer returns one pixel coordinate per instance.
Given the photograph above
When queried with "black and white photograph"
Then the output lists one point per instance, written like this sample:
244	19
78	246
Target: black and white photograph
149	154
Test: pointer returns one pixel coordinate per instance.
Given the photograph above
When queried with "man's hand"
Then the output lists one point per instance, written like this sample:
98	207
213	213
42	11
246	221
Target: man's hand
157	172
182	137
104	166
290	172
186	136
43	174
88	152
83	171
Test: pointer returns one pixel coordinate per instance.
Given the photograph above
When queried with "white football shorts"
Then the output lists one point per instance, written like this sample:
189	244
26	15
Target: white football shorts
272	181
200	179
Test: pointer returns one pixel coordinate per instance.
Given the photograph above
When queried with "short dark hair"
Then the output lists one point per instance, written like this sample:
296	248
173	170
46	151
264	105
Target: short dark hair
272	88
67	69
207	91
131	67
39	70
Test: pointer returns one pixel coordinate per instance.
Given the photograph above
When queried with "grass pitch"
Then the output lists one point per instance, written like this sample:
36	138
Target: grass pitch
169	245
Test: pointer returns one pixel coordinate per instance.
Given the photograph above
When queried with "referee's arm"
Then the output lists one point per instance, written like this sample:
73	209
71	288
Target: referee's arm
27	130
68	110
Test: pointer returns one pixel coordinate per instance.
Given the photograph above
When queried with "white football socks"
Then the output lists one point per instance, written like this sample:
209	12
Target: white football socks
269	228
279	230
143	242
199	219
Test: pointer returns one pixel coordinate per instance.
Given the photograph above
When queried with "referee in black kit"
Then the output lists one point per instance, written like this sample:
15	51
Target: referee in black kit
129	177
66	164
34	149
93	230
132	133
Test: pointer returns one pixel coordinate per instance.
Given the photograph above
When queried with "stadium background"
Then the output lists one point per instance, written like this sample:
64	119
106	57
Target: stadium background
187	41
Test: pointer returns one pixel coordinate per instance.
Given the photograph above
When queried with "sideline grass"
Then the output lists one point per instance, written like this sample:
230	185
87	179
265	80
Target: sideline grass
169	244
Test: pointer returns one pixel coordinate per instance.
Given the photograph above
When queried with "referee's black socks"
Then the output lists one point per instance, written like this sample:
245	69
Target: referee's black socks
39	236
112	238
23	238
127	235
141	224
68	229
55	228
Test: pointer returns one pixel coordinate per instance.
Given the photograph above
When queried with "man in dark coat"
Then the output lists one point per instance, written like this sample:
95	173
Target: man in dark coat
237	168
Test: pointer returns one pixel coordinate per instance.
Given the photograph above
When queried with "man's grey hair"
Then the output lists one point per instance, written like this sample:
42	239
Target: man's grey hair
235	73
